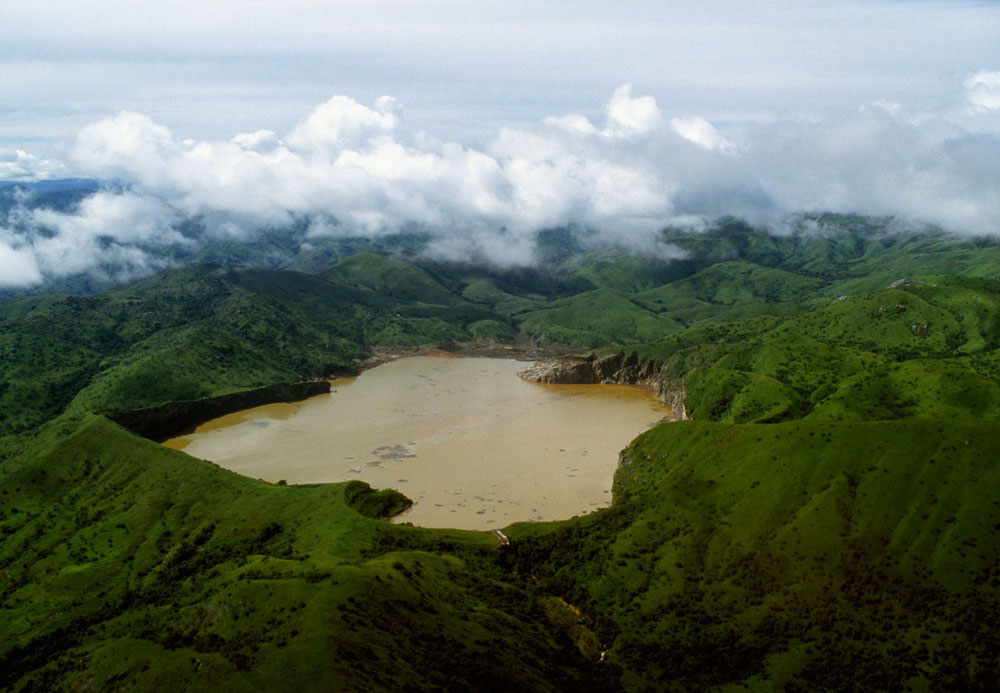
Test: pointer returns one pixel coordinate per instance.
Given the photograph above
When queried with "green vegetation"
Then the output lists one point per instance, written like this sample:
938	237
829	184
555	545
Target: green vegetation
390	278
131	565
595	318
800	555
827	520
188	333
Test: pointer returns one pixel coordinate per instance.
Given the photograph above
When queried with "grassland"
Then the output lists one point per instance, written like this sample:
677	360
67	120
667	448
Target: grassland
801	555
827	520
131	566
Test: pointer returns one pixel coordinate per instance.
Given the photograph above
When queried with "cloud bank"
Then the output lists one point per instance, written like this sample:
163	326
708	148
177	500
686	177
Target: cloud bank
19	165
355	169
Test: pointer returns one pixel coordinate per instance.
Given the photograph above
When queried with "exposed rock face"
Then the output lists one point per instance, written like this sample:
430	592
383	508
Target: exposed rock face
569	371
617	368
626	369
672	392
904	282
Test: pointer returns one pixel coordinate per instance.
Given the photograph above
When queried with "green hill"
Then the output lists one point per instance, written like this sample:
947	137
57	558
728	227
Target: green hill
595	318
804	555
736	282
188	333
620	270
129	565
827	521
861	254
924	349
389	277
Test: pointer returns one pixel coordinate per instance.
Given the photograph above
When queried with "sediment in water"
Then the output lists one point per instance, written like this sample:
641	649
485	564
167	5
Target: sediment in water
178	417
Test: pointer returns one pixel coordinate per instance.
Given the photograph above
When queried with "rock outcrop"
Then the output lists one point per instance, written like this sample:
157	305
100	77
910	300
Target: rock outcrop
904	282
568	371
616	368
672	392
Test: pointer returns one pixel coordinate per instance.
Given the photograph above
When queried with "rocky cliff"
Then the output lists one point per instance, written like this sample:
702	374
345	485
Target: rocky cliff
618	368
672	392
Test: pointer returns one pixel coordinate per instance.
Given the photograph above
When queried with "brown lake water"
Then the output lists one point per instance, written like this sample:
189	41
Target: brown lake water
472	444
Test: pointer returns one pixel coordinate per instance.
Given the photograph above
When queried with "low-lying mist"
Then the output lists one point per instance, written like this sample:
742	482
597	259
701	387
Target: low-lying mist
348	170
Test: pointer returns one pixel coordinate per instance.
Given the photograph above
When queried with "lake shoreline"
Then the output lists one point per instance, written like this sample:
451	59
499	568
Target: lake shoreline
474	349
473	445
178	417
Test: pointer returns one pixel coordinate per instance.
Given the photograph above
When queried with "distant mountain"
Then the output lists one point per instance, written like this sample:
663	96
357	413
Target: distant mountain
571	259
55	185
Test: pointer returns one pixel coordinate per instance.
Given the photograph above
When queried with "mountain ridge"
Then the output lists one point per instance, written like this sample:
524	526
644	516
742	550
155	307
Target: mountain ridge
825	519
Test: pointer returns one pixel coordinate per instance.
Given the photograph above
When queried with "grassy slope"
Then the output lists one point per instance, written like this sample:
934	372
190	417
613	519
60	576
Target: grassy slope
616	269
130	565
868	252
595	318
801	553
187	333
922	350
730	283
390	277
819	554
833	551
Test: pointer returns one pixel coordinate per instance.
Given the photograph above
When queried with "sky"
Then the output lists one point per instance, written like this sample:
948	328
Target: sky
485	121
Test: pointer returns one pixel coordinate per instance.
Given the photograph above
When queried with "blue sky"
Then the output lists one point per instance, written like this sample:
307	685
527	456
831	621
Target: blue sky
468	118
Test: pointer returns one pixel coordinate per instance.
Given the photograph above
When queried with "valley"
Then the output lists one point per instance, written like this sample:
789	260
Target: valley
824	517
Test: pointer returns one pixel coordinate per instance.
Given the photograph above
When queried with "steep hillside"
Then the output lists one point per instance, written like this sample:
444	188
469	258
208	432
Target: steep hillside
925	348
128	565
188	333
809	555
868	250
736	282
827	521
390	277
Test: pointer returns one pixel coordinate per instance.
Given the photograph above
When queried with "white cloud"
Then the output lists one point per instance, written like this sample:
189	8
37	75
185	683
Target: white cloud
261	141
362	166
700	131
125	144
18	265
983	90
348	168
628	116
123	217
874	162
573	123
19	165
359	165
342	122
110	235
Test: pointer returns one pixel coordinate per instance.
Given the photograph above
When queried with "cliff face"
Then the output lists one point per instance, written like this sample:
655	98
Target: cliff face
173	418
617	368
567	371
672	392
